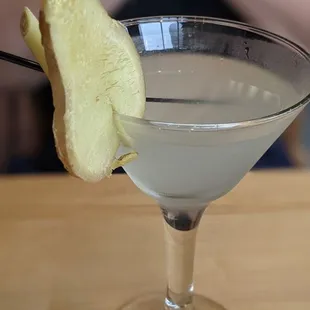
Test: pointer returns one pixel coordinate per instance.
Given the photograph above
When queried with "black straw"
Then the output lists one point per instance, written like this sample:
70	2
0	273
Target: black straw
27	63
20	61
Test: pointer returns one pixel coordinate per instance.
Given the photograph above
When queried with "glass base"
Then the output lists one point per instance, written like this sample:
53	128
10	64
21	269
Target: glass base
156	302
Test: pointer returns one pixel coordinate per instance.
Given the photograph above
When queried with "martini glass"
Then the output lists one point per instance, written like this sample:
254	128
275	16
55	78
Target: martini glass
230	91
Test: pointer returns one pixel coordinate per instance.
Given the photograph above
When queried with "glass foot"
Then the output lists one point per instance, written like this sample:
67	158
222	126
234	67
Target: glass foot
156	302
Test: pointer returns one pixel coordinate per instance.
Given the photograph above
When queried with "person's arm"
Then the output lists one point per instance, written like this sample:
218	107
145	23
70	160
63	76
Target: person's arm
289	18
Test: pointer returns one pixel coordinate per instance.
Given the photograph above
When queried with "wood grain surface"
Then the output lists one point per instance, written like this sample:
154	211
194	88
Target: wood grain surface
68	245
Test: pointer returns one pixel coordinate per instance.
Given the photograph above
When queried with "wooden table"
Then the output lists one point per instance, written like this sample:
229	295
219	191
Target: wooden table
67	245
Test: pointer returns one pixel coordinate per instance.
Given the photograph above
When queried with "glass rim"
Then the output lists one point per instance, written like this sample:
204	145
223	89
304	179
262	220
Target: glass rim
227	125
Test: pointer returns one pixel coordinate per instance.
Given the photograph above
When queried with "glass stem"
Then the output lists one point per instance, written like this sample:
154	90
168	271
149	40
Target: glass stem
180	239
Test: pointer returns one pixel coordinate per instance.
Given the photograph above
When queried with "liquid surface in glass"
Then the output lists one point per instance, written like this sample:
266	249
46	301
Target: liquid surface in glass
188	168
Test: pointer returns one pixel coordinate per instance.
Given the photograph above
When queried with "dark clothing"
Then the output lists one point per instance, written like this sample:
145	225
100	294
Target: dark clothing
275	157
142	8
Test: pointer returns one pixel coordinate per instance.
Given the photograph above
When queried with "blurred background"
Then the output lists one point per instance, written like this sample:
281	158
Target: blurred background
26	109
